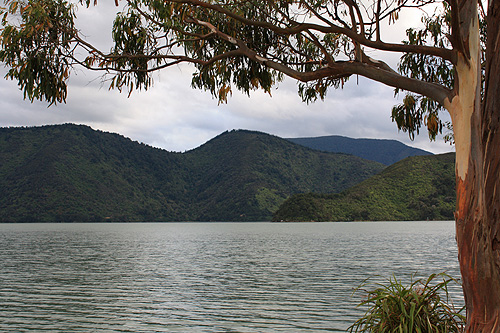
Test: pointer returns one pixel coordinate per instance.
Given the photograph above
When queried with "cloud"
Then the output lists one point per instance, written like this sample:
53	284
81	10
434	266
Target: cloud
173	116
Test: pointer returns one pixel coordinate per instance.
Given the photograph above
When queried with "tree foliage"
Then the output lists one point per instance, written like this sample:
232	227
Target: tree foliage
37	48
244	45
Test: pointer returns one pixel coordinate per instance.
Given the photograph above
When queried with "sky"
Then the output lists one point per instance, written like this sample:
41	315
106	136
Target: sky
173	116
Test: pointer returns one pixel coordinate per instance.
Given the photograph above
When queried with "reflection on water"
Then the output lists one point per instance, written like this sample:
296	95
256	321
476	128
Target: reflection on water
206	277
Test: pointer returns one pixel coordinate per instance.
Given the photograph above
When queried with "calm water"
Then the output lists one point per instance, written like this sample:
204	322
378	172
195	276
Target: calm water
206	277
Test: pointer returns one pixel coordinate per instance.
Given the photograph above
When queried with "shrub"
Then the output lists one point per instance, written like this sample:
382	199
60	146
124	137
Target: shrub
422	306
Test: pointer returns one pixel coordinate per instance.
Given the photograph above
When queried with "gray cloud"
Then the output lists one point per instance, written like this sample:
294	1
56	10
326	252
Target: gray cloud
173	116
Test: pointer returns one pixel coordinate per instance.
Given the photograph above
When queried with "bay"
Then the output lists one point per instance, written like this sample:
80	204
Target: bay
207	277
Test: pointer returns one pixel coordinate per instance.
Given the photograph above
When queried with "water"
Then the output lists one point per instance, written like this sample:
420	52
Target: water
206	277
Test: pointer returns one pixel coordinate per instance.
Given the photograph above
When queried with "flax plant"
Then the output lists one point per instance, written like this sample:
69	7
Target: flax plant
422	306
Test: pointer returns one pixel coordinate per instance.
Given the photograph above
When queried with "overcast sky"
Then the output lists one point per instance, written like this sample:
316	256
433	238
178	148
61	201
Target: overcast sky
176	117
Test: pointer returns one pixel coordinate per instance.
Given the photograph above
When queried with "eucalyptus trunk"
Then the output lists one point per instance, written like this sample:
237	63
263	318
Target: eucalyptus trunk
477	137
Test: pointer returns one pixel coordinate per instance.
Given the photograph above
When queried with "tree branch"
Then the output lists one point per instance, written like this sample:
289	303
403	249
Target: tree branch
343	69
377	21
366	67
356	37
456	40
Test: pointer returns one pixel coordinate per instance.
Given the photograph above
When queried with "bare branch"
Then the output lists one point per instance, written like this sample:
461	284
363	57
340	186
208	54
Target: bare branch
377	21
356	37
456	40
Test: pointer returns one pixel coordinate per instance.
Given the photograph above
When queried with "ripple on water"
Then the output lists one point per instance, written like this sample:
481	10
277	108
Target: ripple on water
206	277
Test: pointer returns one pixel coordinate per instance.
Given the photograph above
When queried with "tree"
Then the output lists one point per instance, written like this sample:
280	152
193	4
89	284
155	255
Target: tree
253	44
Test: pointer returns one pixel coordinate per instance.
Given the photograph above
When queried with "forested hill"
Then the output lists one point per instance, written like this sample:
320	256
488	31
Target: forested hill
416	188
73	173
383	151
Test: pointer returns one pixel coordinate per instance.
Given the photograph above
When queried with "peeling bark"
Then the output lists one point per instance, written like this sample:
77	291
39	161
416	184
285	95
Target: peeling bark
477	137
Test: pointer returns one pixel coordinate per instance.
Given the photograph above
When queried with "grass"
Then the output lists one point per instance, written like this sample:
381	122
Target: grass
421	306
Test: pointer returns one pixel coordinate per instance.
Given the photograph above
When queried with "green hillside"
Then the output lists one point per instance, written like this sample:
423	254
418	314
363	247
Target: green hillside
416	188
73	173
247	175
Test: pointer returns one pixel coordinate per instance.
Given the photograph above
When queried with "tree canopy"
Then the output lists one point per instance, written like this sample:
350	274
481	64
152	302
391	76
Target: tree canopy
244	45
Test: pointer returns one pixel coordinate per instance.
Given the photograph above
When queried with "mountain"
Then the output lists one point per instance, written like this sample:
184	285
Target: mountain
416	188
74	173
383	151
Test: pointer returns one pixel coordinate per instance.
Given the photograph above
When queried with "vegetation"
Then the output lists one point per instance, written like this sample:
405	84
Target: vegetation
73	173
416	188
383	151
421	306
447	64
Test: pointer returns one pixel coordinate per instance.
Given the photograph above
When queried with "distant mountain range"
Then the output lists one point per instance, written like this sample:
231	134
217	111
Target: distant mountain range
383	151
74	173
416	188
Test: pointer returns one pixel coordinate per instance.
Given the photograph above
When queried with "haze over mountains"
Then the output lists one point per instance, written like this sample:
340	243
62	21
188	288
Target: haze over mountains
383	151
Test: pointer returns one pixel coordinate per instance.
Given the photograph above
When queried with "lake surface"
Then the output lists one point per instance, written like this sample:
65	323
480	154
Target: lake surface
207	277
